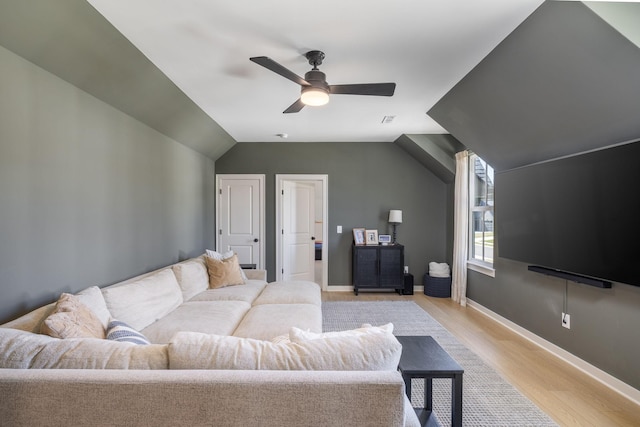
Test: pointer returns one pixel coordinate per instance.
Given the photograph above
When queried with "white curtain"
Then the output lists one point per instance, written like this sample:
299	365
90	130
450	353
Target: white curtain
460	230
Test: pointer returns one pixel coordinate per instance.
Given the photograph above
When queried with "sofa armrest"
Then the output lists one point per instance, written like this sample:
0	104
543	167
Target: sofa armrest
253	274
202	397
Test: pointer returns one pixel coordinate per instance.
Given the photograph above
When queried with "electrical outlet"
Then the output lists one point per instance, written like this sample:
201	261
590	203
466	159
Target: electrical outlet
566	320
339	229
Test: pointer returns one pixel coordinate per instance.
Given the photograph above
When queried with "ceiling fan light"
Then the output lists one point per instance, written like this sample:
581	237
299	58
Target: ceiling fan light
314	96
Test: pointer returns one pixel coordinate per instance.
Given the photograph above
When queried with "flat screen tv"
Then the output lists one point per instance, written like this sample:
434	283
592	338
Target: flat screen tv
578	214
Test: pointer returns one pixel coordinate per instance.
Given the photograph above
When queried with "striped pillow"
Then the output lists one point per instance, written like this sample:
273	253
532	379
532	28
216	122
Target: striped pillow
120	331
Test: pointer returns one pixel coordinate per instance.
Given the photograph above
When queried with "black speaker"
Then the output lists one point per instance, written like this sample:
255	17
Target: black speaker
408	284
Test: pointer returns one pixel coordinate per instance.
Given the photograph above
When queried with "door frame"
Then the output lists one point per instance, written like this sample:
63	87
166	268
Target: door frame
323	179
261	208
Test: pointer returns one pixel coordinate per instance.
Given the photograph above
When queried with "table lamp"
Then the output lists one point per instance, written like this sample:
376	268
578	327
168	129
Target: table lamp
395	218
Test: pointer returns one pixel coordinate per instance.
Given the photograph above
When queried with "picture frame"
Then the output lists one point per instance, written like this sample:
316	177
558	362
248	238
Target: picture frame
384	239
358	236
371	237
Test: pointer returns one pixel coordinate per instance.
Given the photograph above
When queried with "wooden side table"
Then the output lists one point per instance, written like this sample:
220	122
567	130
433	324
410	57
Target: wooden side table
422	357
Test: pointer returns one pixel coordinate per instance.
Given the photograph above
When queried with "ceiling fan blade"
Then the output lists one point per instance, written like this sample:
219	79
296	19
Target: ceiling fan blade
295	107
377	89
272	65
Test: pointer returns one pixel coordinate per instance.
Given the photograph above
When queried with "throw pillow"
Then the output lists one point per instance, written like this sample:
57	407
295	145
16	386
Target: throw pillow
72	319
120	331
219	256
224	273
299	335
226	255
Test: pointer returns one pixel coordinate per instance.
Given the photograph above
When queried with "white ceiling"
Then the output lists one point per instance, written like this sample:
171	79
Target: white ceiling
425	46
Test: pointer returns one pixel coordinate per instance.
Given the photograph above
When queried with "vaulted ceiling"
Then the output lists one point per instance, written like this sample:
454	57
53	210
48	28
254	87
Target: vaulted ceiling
566	81
425	47
504	77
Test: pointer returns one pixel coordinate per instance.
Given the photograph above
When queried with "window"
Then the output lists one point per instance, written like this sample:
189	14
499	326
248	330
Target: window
480	212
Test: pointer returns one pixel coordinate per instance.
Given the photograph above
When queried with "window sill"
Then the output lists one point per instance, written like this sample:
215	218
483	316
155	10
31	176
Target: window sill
481	268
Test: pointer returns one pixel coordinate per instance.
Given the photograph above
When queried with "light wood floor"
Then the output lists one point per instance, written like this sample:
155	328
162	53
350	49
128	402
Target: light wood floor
565	393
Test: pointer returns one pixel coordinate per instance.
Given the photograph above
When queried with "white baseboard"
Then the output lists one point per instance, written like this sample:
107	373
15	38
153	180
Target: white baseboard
610	381
341	288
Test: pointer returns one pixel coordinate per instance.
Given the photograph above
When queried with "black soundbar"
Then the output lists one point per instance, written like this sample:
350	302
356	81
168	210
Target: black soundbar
598	283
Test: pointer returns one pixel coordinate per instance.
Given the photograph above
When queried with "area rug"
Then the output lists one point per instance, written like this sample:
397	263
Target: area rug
488	399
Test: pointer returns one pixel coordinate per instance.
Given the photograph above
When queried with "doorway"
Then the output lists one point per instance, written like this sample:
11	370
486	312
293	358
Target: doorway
302	228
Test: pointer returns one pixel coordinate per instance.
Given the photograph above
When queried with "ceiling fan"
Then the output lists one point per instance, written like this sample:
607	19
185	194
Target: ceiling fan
315	90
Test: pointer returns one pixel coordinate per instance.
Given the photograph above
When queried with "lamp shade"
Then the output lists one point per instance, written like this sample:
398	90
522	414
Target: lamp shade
314	96
395	216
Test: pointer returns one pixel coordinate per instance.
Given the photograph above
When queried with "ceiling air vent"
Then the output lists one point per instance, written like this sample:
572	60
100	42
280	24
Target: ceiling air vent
388	119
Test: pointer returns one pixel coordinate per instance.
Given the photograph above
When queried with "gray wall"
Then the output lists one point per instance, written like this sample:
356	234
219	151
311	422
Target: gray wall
366	180
75	42
565	81
88	195
605	323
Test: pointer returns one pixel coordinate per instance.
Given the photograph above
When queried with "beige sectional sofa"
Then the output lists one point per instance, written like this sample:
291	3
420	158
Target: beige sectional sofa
251	353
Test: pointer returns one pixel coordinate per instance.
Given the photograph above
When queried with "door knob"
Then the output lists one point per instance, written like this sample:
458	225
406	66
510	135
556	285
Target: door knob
255	240
313	238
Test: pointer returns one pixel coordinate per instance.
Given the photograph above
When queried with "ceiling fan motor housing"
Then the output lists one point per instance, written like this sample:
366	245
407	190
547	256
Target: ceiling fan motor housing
317	79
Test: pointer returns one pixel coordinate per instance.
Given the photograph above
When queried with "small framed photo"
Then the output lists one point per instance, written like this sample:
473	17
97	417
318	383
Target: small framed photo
358	236
372	237
384	239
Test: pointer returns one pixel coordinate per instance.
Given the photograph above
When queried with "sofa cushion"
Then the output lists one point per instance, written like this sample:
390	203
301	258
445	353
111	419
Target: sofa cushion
120	331
281	339
92	298
72	319
18	347
293	292
32	321
267	321
22	350
255	274
100	354
212	317
247	292
192	277
141	302
299	335
366	352
224	272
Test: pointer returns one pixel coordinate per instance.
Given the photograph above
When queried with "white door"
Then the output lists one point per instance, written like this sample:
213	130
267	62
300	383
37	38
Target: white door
240	217
298	229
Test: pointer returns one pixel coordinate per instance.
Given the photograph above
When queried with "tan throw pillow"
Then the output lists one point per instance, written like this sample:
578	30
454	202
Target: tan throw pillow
220	257
72	319
223	273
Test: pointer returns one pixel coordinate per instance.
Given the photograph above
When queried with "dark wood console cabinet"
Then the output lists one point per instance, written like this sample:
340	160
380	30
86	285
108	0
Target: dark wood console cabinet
378	267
